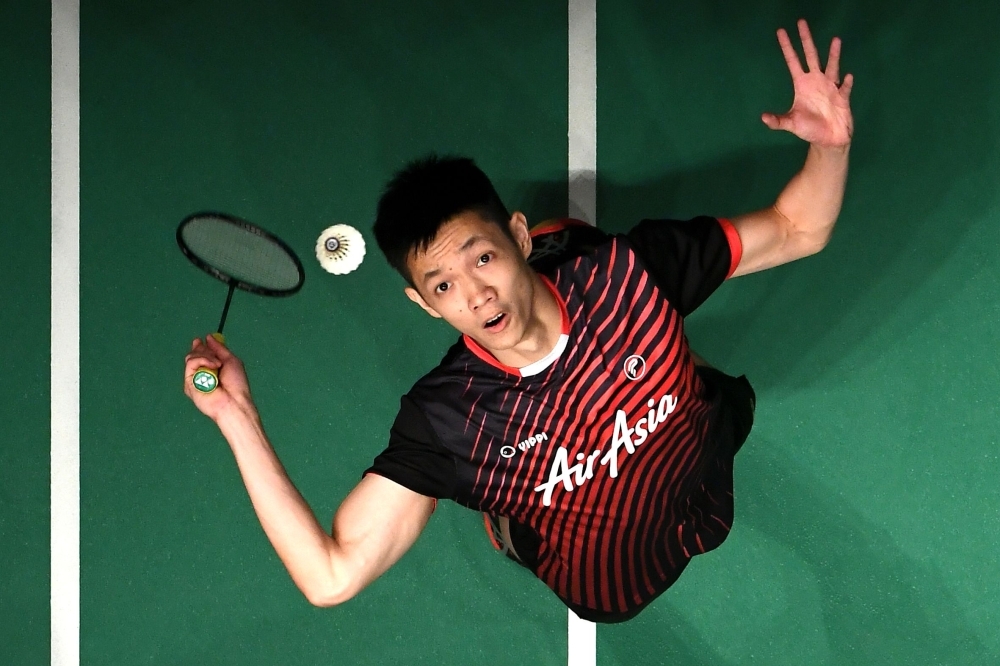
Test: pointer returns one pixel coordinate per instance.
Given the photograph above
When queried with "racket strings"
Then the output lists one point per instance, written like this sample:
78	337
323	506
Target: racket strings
241	253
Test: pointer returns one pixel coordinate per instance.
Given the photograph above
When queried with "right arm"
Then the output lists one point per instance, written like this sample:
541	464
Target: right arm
373	527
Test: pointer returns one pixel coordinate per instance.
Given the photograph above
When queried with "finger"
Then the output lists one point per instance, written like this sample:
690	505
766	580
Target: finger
833	61
845	88
192	364
218	348
812	55
776	122
195	343
195	360
791	57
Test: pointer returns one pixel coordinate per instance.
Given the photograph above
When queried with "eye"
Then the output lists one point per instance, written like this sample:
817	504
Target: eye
441	288
484	259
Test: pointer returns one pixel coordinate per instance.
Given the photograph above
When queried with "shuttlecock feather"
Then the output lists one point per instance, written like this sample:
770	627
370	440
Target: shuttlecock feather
340	249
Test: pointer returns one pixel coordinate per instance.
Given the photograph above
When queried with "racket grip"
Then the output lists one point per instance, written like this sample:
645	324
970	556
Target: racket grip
206	380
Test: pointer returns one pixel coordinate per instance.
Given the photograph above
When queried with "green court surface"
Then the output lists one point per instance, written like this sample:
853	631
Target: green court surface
867	504
24	326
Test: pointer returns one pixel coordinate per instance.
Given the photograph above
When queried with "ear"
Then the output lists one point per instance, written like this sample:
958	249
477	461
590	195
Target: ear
415	296
522	236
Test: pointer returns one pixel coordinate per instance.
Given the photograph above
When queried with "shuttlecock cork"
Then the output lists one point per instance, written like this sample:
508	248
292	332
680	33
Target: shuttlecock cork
340	249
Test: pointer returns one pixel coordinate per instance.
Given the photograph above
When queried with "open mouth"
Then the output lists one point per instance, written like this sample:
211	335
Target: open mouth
496	322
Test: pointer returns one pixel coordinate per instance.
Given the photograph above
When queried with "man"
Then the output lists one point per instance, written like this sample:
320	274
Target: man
572	411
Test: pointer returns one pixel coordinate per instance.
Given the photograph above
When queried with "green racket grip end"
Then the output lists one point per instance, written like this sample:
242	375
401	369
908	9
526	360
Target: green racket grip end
206	380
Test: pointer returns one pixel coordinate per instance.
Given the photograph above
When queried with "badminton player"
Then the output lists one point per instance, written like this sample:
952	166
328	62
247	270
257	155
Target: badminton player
572	411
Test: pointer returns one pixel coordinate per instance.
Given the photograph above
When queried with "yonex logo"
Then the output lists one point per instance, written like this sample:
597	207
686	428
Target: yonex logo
205	381
508	451
635	367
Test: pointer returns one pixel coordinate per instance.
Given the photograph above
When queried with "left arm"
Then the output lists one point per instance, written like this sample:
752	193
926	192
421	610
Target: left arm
801	221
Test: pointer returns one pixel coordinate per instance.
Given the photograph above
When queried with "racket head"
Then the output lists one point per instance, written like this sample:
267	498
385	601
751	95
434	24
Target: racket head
240	254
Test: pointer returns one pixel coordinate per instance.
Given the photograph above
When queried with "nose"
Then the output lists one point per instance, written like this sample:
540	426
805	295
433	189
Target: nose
481	294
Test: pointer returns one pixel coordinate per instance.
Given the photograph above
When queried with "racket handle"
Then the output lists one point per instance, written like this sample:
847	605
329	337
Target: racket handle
206	380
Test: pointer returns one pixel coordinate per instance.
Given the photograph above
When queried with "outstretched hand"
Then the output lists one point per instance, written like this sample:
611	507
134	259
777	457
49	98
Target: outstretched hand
821	111
234	387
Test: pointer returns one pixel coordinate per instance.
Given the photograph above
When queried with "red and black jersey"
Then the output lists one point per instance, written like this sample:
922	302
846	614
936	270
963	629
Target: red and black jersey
611	453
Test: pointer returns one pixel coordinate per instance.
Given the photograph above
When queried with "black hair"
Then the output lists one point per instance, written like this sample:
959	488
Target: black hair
426	194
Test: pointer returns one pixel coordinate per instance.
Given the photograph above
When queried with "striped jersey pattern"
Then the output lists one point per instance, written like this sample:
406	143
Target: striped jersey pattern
608	453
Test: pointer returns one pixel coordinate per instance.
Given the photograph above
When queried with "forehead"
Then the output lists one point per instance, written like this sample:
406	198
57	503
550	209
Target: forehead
452	241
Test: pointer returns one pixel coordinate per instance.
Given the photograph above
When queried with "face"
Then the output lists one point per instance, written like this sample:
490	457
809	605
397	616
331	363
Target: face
477	279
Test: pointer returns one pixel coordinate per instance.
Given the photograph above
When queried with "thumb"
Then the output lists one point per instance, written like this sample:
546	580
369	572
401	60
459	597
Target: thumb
218	348
775	122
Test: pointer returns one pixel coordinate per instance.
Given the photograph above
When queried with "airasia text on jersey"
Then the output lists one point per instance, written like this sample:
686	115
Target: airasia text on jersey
562	472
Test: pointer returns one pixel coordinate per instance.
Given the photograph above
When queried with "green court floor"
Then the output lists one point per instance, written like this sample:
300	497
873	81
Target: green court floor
24	327
868	508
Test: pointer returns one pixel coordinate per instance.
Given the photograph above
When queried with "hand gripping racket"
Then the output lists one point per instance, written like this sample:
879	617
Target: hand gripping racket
241	255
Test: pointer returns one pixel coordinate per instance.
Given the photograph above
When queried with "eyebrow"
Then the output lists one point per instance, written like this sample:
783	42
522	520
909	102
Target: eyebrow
464	248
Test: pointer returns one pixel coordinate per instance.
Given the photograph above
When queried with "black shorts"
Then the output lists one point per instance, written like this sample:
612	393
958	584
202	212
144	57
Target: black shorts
737	407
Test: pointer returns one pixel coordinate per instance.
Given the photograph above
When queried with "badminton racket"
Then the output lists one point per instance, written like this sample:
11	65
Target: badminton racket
243	256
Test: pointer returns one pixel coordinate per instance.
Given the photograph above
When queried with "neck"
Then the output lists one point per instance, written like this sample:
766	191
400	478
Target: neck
542	331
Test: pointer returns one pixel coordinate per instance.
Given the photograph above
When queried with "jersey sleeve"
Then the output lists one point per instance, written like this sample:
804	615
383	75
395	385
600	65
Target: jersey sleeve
413	458
688	259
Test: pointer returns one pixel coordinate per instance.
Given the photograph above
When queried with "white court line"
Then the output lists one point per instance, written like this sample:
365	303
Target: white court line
583	110
64	480
582	163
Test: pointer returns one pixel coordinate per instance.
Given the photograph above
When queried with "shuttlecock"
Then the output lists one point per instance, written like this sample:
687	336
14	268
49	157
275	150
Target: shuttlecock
340	249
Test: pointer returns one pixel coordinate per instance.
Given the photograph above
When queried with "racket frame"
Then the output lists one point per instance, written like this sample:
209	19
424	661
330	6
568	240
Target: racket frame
229	279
